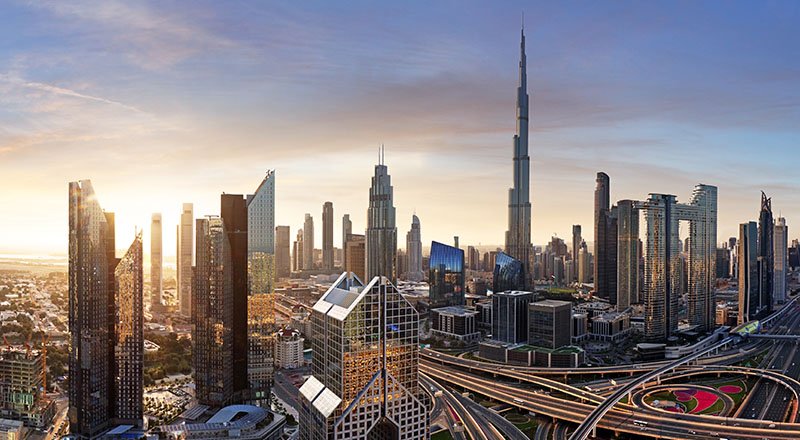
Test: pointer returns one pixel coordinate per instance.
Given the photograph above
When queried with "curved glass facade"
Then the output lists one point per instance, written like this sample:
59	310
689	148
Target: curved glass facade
446	275
508	274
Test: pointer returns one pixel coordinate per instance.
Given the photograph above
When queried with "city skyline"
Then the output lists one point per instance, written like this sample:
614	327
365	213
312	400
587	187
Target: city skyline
588	112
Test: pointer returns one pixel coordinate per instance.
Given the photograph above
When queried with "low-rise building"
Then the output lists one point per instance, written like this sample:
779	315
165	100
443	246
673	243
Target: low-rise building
11	429
455	322
236	421
288	349
580	327
21	396
613	326
549	323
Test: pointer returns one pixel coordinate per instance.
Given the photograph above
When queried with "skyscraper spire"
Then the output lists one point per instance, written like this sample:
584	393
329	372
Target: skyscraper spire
518	236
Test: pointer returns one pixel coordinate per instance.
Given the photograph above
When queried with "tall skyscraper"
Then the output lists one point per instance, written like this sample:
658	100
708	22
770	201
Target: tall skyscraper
446	276
750	305
365	384
518	236
414	249
605	241
91	293
261	272
583	263
105	320
185	259
781	260
234	214
156	261
355	252
627	254
129	338
212	329
381	237
327	236
576	248
663	266
347	229
283	267
308	243
766	249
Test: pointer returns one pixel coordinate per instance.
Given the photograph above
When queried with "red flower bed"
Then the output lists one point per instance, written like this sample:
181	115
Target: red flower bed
730	389
704	401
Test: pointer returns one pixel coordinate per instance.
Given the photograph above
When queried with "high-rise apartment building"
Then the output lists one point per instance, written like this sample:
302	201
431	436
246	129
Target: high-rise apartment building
381	236
781	254
584	271
355	255
446	276
766	250
605	241
308	243
510	316
129	338
327	236
234	214
518	236
185	258
283	266
105	320
365	383
750	301
213	312
347	229
663	265
261	273
627	254
414	250
156	262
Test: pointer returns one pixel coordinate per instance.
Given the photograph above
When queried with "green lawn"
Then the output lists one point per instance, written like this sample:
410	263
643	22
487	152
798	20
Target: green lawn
523	422
718	406
442	435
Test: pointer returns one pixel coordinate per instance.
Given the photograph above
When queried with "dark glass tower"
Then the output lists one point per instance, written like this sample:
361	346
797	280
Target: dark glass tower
233	211
605	241
508	274
766	253
446	275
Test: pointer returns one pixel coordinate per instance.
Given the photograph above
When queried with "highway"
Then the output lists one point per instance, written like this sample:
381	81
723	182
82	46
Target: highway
621	419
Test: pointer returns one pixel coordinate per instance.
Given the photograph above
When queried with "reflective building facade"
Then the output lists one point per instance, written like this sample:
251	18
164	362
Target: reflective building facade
510	316
327	236
750	305
156	261
781	260
129	337
261	272
365	382
414	249
508	273
766	252
91	292
185	257
627	254
446	276
212	323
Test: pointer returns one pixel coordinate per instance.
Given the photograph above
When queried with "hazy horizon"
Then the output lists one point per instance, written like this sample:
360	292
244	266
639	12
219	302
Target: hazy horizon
159	104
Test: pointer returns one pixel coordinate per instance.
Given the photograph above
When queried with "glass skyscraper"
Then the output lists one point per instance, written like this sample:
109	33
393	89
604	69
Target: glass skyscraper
365	382
381	236
446	275
508	273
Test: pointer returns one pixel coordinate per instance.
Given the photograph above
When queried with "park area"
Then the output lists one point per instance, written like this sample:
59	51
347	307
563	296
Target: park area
719	398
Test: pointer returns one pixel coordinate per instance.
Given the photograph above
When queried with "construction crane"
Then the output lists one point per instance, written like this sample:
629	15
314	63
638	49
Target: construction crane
45	341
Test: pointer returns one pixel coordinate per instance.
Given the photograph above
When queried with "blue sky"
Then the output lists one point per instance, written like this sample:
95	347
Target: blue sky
161	103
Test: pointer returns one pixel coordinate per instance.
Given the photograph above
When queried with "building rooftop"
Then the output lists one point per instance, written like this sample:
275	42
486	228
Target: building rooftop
551	303
513	293
455	310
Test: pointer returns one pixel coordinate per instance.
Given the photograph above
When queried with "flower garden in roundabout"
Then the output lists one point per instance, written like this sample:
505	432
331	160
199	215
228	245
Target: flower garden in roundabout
718	397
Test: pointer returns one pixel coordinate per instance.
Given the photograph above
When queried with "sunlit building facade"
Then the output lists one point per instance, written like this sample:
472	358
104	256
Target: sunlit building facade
283	264
156	262
129	338
508	273
355	254
261	273
212	323
446	276
185	257
365	382
327	236
91	292
308	243
347	229
701	213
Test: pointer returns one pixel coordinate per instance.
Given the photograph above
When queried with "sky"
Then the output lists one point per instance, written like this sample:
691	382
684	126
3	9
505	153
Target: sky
160	103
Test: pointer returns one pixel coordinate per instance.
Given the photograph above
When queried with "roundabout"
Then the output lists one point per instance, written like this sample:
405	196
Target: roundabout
690	399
